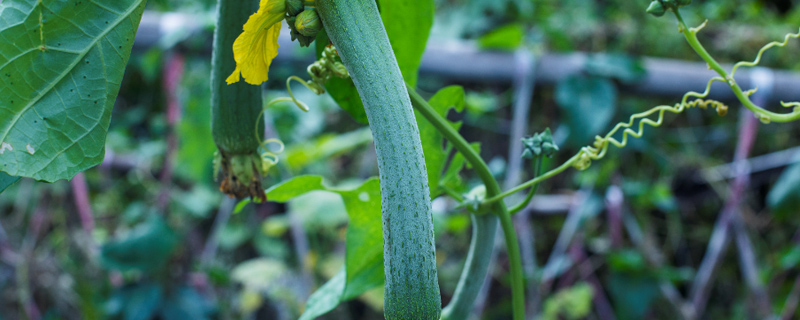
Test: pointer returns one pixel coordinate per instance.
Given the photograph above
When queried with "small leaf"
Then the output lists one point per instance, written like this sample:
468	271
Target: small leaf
508	37
186	303
451	97
60	79
784	198
143	301
632	294
589	103
617	66
790	258
258	274
146	247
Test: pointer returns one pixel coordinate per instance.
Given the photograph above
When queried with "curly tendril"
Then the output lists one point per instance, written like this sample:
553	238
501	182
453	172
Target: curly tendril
598	150
764	49
320	71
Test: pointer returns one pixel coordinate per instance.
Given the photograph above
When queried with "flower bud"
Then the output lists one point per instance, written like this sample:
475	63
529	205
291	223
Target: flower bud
656	8
308	23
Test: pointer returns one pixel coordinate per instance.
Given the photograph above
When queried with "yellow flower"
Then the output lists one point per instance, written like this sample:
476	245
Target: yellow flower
255	48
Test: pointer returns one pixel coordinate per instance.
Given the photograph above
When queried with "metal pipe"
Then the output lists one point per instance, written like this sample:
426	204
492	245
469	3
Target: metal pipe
463	61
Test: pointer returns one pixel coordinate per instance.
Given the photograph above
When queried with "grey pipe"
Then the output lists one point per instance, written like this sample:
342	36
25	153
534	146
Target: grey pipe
463	61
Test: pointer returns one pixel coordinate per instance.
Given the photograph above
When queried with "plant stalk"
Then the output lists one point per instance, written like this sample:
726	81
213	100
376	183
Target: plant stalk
764	115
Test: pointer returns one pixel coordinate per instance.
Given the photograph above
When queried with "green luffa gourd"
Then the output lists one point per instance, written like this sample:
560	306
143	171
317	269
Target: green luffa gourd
412	288
235	108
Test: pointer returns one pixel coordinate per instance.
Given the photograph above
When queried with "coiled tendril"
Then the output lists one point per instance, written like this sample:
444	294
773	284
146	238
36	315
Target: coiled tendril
320	71
600	146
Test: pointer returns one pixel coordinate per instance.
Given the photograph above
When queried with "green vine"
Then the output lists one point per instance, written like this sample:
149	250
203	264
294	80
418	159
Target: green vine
583	159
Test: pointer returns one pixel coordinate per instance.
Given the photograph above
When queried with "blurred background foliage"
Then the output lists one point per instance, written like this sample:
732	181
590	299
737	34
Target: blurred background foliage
164	244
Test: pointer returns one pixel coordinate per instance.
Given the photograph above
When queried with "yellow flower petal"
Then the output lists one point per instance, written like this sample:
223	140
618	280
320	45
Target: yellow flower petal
234	77
255	48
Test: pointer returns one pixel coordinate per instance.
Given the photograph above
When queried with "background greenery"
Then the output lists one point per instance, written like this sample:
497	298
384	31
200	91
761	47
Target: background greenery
159	248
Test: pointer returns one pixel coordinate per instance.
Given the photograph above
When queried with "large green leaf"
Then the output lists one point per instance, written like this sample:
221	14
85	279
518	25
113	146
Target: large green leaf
364	253
432	140
408	24
61	65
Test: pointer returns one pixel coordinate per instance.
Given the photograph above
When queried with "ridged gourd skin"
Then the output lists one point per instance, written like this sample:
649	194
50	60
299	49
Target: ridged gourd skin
412	287
234	107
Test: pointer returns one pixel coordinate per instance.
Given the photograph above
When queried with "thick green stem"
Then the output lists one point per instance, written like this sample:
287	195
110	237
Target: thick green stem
764	115
492	189
412	288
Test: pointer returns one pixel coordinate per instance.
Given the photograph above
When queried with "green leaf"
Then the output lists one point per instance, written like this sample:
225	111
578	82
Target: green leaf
432	140
589	103
143	301
6	181
364	249
60	79
570	303
451	178
632	294
508	37
326	146
146	247
784	198
294	187
408	24
364	254
343	91
186	303
259	273
326	298
790	258
618	66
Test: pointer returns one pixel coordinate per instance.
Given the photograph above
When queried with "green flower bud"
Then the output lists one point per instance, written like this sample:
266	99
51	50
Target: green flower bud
682	3
294	7
308	23
541	144
656	8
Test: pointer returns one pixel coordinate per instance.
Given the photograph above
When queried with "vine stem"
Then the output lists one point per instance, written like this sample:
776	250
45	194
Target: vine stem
764	115
537	166
547	175
492	189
